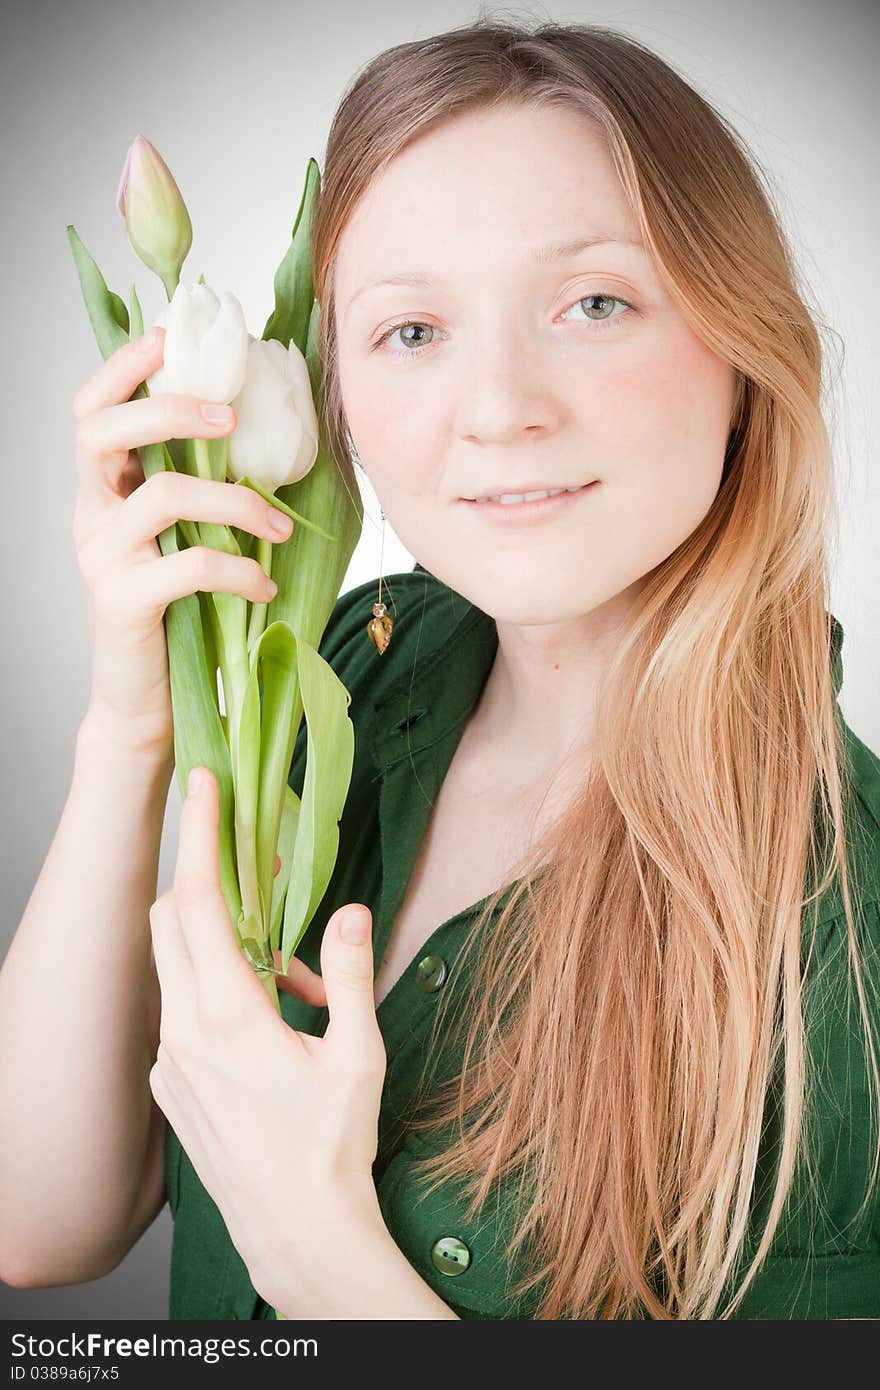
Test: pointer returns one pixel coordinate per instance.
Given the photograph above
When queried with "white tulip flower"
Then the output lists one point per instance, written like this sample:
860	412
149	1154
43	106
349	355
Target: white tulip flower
206	342
153	212
275	440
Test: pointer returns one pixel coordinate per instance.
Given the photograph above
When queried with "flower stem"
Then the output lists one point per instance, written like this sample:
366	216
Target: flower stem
234	665
230	612
259	611
272	990
264	855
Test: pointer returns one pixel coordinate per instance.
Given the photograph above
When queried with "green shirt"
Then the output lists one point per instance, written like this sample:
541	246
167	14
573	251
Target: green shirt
409	708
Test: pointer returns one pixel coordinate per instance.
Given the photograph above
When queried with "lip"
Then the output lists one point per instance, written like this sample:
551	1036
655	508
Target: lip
520	513
538	486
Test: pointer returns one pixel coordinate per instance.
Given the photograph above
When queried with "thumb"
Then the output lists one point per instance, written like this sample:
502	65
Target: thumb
347	973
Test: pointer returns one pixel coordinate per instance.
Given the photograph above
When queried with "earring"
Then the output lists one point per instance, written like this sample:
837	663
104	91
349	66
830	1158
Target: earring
380	625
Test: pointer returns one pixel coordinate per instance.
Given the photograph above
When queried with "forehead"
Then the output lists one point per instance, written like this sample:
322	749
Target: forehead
465	189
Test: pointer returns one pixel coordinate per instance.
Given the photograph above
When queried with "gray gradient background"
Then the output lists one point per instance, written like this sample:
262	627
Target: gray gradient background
237	97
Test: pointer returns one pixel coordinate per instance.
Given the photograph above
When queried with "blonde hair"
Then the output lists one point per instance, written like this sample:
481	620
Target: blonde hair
643	986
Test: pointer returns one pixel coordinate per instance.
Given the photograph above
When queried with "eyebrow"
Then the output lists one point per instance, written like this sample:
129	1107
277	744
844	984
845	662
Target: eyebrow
544	255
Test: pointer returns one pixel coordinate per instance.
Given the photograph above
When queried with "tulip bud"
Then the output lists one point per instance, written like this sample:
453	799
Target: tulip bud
206	345
275	440
155	216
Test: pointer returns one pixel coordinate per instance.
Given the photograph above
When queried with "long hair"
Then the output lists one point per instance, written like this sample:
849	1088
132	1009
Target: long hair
644	987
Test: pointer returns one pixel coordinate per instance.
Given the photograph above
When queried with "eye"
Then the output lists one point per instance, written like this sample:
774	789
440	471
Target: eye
419	347
601	322
398	327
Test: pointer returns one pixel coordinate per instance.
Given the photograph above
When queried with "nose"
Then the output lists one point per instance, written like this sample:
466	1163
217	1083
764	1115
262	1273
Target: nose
507	395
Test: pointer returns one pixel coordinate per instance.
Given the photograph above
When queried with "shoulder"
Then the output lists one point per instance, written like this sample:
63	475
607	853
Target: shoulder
827	1220
864	771
831	994
824	1260
861	793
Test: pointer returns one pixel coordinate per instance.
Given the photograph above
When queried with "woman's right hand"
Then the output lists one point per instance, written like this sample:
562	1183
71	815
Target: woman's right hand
116	520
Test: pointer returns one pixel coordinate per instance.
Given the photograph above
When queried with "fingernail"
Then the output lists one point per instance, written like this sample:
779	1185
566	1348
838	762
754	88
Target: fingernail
216	414
196	782
355	927
145	343
280	521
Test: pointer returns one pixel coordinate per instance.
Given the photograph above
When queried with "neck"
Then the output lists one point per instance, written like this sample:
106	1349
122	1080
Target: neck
539	699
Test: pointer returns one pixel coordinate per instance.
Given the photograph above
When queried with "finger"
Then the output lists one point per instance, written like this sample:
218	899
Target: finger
347	972
98	468
277	865
118	378
300	981
174	965
147	589
167	496
151	420
204	916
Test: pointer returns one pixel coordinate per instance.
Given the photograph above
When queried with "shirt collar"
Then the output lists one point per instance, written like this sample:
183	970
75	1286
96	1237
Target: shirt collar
836	656
425	705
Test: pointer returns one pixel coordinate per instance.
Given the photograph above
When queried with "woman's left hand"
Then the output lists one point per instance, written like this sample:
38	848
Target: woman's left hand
281	1126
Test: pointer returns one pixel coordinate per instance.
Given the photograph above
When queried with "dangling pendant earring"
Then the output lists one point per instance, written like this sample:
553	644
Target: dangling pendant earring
380	625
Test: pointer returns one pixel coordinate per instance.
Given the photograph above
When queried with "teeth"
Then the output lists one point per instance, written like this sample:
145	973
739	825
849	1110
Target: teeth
513	498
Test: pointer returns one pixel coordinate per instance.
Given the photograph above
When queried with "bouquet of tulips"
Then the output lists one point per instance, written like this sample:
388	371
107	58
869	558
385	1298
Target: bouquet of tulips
267	654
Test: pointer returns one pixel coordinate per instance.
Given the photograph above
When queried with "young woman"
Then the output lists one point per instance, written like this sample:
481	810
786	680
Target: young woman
621	851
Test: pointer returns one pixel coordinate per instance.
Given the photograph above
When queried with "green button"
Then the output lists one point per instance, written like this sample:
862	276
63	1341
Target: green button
450	1255
430	973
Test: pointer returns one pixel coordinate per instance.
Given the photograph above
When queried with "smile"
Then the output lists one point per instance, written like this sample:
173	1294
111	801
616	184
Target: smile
519	508
514	499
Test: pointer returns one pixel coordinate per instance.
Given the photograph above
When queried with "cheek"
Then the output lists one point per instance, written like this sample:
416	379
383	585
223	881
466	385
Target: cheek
673	390
659	427
393	429
405	469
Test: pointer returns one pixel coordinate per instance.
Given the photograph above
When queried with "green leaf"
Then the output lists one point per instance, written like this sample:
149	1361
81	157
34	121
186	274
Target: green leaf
274	665
245	540
294	291
199	739
329	763
275	501
108	314
177	450
211	656
136	317
247	793
308	577
286	840
255	950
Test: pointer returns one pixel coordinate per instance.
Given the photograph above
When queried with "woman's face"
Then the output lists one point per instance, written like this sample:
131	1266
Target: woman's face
523	371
